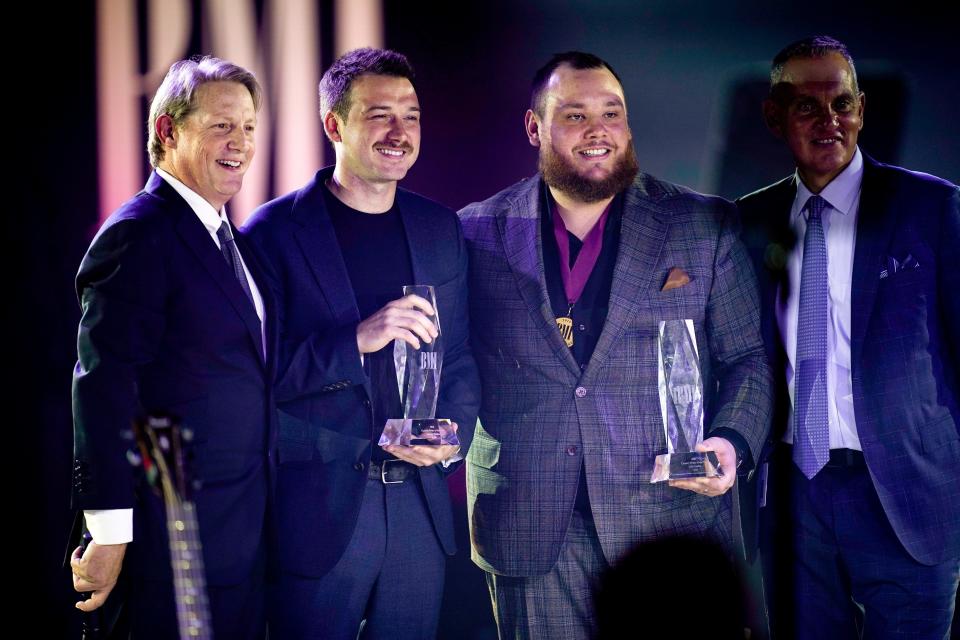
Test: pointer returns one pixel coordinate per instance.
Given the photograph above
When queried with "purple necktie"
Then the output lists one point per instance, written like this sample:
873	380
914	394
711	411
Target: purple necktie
811	435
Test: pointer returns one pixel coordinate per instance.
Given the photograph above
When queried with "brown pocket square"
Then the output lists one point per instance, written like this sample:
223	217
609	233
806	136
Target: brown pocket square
676	279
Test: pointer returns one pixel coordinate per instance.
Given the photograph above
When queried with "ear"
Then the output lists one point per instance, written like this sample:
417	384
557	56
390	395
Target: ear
863	102
531	123
166	131
331	126
773	117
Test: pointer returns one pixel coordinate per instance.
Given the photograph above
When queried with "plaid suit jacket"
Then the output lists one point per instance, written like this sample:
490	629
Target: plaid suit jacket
542	417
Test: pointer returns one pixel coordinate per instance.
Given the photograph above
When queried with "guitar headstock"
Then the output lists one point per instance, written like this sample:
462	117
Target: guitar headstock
161	450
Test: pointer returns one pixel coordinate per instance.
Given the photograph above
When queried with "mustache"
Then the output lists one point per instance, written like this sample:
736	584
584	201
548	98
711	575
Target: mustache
403	146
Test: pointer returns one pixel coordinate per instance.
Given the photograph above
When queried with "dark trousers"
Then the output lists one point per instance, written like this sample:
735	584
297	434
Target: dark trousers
387	584
839	570
236	611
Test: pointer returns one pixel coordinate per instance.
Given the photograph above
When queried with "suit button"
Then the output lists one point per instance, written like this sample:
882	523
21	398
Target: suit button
358	466
366	403
581	392
572	450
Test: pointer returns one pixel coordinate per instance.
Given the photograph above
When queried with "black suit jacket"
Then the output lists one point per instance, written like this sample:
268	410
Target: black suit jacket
166	327
323	394
905	342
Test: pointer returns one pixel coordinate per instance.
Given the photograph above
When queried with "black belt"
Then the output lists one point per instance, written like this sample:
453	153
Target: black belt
839	458
846	459
391	471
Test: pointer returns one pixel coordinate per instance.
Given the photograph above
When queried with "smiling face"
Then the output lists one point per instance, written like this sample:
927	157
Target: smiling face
212	148
817	110
379	140
586	149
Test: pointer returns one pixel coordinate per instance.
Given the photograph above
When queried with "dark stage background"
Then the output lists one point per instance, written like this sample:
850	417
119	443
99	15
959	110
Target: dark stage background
693	74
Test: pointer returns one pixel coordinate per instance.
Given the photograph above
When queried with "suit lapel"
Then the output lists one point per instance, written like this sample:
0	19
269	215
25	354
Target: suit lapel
519	226
321	250
778	243
642	234
198	240
876	221
270	328
781	240
420	240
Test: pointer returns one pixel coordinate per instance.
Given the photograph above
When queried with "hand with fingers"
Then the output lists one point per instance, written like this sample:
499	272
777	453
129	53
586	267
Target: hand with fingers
406	318
712	487
424	455
96	570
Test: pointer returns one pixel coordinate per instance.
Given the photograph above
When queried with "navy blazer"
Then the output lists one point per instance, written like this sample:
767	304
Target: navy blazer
326	420
905	342
167	327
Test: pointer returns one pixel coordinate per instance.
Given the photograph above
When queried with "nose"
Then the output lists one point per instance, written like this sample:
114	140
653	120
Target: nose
240	139
829	117
397	130
596	128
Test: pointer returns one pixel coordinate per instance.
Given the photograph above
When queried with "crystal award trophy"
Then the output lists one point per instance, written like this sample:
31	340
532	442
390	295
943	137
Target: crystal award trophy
681	405
418	380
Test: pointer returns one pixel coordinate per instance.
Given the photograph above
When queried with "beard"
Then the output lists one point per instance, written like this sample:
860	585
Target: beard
560	174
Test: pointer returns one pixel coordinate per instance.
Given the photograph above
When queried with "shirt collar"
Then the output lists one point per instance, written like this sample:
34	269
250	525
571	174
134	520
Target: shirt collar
841	194
210	217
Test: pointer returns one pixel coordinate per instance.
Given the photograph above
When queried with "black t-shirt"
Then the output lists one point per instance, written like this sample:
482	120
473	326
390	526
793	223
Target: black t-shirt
377	257
589	313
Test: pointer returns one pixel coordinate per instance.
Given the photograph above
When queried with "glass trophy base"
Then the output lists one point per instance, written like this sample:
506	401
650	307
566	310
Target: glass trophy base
688	464
428	431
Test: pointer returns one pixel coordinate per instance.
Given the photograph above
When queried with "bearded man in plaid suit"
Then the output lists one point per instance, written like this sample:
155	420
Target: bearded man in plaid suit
571	272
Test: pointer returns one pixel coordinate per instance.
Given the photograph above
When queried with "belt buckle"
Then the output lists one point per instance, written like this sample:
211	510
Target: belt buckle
383	472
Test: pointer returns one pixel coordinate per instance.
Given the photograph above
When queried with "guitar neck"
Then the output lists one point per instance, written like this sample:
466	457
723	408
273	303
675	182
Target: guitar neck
160	451
189	580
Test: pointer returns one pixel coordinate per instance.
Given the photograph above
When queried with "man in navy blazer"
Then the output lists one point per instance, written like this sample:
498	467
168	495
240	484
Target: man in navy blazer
177	319
868	487
363	529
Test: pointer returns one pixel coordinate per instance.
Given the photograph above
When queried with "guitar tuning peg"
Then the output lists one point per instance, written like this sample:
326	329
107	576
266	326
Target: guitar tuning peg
186	434
134	458
197	485
127	435
158	421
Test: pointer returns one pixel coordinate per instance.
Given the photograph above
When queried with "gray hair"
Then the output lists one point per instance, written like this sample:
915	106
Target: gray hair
176	96
812	47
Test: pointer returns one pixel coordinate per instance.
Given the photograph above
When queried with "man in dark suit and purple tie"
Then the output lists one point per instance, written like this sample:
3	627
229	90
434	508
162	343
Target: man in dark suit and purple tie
859	266
571	273
177	319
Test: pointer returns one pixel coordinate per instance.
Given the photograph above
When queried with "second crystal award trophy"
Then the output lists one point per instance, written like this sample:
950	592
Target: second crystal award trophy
681	403
418	380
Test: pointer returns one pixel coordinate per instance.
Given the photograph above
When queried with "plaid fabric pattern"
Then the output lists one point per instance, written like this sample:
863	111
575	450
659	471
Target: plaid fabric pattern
558	604
542	417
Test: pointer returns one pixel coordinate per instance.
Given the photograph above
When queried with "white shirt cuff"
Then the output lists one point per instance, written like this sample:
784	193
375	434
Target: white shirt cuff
110	526
454	458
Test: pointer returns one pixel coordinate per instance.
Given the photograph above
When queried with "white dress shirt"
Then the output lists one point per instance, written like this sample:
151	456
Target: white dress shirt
842	196
115	526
